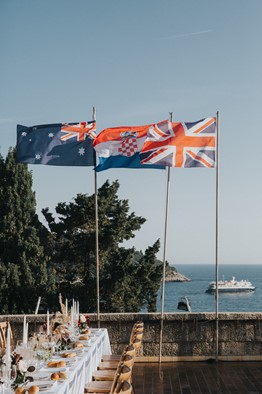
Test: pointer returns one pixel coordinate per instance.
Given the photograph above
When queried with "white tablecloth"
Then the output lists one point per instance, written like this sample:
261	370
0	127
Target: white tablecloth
81	371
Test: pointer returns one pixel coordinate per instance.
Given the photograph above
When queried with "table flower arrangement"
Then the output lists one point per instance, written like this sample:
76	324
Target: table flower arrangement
21	369
83	323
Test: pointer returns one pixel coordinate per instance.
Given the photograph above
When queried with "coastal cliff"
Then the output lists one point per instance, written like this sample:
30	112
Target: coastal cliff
173	276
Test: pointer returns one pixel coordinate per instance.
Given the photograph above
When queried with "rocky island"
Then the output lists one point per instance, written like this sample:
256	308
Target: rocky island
173	276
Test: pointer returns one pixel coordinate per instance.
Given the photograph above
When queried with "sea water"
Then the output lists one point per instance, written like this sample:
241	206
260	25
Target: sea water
200	301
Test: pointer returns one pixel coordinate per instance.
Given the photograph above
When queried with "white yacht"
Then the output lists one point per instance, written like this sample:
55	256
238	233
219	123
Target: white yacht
231	286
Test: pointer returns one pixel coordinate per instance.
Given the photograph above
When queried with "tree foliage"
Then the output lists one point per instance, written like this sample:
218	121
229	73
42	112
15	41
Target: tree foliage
128	279
38	260
23	264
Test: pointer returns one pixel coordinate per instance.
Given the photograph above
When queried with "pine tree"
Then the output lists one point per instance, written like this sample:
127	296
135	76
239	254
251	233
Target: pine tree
124	273
23	264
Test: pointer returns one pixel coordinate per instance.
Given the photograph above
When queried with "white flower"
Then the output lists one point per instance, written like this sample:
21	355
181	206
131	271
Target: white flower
82	319
22	366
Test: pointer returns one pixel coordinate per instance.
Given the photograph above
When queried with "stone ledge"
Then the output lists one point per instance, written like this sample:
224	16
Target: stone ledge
133	317
186	336
168	359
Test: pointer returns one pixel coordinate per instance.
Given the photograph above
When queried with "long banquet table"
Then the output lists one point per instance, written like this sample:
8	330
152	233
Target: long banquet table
86	363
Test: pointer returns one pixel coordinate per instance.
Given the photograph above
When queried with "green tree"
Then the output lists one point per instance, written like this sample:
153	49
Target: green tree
72	246
150	269
130	280
23	264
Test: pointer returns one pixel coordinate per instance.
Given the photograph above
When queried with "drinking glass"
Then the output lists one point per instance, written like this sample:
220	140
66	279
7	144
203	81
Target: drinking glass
13	374
9	376
1	380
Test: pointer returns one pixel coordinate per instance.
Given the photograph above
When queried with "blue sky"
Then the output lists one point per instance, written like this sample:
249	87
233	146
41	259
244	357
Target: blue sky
136	61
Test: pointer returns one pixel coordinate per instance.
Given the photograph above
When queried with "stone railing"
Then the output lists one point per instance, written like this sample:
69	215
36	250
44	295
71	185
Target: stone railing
186	336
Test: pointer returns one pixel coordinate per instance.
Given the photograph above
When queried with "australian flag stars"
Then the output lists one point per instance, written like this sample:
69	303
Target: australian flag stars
60	144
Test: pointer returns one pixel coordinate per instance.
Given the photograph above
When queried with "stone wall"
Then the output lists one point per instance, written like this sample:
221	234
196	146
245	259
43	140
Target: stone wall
186	336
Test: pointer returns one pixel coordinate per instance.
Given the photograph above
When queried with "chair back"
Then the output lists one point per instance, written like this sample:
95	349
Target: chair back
123	387
139	335
138	325
123	373
3	334
130	350
128	360
137	343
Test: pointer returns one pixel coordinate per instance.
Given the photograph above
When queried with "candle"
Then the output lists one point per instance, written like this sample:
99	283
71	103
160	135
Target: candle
37	306
24	331
26	336
77	310
47	324
8	346
72	317
66	307
73	305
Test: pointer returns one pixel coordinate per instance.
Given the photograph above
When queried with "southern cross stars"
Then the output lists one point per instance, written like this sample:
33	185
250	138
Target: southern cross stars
81	151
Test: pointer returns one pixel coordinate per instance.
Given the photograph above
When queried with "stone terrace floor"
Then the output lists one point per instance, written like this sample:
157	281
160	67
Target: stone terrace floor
198	377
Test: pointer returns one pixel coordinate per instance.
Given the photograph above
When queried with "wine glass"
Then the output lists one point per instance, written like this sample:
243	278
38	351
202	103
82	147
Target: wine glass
1	380
9	376
13	374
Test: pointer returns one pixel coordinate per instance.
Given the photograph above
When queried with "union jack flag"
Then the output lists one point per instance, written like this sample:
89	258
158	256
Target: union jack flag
181	144
80	130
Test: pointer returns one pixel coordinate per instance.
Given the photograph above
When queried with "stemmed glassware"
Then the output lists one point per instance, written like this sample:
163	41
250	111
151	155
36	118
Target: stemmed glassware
9	373
1	380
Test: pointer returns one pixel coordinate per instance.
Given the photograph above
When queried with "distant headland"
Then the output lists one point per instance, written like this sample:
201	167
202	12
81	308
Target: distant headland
173	276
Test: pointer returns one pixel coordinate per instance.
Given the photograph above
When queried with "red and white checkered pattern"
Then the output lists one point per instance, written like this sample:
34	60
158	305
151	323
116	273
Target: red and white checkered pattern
128	147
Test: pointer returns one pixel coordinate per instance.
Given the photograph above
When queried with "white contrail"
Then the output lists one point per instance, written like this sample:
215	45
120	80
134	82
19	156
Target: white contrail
188	34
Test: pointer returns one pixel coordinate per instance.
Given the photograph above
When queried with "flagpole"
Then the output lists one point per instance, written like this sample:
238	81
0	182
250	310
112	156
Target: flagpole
164	261
97	244
217	230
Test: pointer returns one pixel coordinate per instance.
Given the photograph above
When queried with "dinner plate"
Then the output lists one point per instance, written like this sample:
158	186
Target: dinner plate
84	340
54	369
69	361
43	385
70	351
66	359
39	375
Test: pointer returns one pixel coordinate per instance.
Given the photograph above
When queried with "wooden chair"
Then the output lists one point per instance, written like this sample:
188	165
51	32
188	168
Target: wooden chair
125	359
137	343
138	329
124	388
129	350
3	334
108	369
108	387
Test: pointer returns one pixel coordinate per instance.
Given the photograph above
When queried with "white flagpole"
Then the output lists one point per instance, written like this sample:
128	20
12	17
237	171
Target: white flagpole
97	244
164	261
217	228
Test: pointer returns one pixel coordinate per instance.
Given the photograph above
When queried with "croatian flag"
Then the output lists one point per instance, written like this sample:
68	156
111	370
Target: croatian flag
119	147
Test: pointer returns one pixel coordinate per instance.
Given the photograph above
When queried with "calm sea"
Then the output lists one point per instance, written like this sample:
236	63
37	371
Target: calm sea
201	301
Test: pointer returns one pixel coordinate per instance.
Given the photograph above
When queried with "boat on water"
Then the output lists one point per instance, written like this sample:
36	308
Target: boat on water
184	304
231	286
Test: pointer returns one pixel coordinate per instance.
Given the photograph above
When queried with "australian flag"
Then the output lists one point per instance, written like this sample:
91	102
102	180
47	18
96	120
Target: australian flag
60	144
